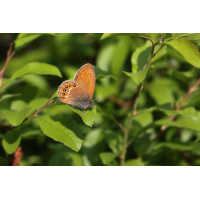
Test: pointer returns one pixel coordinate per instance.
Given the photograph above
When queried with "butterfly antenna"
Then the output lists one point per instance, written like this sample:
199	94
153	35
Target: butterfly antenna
97	98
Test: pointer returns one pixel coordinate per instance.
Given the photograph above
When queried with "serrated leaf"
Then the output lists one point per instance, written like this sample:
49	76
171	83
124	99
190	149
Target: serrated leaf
143	35
107	157
8	96
64	130
24	39
11	141
189	112
137	77
88	115
36	68
187	50
17	117
193	37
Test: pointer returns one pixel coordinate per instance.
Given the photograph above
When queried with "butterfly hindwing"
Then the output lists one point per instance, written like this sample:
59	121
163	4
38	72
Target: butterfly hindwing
72	93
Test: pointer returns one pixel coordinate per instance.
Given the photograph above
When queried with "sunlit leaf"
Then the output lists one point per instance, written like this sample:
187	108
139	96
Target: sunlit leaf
143	35
17	117
107	157
8	96
187	50
36	68
87	116
24	39
64	130
137	77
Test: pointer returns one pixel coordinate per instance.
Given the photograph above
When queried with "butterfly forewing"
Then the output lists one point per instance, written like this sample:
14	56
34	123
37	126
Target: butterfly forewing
72	93
85	77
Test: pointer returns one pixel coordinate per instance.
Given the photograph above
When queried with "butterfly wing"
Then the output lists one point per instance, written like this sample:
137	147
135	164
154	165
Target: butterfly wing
70	92
85	77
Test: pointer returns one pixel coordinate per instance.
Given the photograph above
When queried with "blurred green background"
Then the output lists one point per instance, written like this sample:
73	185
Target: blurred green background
167	82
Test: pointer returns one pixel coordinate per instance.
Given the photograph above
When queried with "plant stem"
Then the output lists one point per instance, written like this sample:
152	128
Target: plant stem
135	104
9	56
47	104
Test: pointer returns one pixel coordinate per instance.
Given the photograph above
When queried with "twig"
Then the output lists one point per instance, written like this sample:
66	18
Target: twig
16	157
47	104
133	113
9	56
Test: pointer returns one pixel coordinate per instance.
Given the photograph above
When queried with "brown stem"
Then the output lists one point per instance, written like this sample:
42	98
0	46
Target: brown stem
47	104
16	157
9	56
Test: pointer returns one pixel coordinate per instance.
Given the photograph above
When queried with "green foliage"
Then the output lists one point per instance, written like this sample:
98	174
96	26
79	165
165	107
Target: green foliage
156	74
63	130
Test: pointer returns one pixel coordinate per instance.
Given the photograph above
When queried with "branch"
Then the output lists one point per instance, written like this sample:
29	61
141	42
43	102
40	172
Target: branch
135	104
9	56
47	104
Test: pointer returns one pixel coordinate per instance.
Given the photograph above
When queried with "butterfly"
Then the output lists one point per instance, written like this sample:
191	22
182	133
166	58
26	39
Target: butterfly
80	91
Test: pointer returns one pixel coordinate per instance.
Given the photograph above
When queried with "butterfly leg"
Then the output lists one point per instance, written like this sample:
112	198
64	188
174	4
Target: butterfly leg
83	111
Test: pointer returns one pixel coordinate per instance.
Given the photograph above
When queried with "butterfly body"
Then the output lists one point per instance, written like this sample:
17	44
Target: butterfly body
80	91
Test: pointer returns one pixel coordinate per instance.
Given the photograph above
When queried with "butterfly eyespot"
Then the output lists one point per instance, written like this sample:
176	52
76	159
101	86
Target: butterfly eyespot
63	94
69	85
66	86
74	85
64	90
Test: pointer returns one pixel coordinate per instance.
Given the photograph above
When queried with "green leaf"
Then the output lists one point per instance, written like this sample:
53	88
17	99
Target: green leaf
107	157
187	50
193	37
93	145
8	96
134	162
114	140
17	117
36	68
24	39
119	56
64	130
168	36
11	141
174	146
143	35
87	116
189	112
137	77
162	90
140	57
64	156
